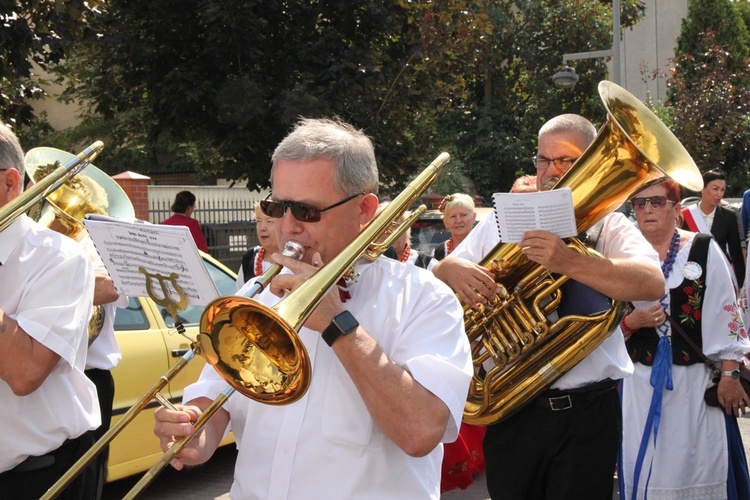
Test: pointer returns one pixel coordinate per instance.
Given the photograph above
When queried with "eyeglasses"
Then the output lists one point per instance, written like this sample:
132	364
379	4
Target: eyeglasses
300	211
656	202
543	163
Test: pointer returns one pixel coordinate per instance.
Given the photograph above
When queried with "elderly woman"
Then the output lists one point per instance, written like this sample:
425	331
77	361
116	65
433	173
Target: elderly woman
674	445
256	261
458	217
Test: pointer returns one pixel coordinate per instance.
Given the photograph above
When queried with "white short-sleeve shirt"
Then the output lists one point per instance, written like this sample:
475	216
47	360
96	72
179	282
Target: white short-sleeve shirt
51	297
326	445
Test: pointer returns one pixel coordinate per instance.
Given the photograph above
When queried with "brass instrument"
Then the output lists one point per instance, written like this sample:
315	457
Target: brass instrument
64	208
516	350
255	348
30	197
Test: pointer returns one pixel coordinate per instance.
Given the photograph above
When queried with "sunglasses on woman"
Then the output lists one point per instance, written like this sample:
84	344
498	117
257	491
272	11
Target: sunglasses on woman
300	211
656	202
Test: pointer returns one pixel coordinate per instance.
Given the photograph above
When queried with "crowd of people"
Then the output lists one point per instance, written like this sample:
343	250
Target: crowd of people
390	361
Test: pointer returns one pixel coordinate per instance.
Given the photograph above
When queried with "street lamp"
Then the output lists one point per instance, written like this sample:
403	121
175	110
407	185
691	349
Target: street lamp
567	77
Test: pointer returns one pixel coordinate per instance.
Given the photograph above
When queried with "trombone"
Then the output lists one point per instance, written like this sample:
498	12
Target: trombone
269	342
30	197
263	357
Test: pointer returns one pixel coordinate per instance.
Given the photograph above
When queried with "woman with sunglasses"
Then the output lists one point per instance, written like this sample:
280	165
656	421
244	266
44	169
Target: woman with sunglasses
698	450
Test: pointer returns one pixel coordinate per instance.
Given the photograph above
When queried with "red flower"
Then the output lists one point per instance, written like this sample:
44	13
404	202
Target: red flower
688	290
686	357
697	314
686	308
648	359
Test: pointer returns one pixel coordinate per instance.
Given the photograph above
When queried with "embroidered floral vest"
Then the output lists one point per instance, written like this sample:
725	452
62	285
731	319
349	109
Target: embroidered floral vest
686	303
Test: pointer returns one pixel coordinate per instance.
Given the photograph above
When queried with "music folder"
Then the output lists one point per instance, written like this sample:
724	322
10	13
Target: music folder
133	252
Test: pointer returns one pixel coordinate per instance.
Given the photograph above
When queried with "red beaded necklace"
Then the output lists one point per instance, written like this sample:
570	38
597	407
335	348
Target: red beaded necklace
259	261
449	246
405	256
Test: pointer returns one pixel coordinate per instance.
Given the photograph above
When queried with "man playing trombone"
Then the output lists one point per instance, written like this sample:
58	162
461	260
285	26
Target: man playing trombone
390	360
48	404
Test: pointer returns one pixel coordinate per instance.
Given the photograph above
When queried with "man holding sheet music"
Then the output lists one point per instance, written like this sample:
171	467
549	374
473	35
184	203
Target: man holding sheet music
48	404
545	449
390	371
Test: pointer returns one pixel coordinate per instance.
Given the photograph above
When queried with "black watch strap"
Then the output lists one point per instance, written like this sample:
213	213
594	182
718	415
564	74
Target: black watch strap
341	324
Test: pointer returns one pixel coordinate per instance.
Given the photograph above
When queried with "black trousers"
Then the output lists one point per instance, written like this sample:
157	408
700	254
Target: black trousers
33	477
105	390
560	446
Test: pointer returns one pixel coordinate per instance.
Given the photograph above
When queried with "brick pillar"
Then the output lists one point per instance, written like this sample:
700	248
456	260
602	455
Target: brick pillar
136	187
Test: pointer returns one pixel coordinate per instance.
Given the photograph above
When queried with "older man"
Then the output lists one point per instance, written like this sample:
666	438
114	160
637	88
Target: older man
390	365
563	444
48	404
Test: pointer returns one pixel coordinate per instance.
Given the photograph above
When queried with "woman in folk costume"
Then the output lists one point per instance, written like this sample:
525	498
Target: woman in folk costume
458	217
256	261
674	444
464	457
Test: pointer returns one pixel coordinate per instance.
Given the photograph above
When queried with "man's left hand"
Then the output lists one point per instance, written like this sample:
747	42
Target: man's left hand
329	306
547	249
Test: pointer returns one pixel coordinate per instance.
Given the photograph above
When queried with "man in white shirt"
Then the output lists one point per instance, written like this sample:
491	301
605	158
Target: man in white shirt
385	391
564	443
48	404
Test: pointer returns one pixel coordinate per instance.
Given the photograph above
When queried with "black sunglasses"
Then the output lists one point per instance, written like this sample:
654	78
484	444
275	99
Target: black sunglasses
300	211
656	202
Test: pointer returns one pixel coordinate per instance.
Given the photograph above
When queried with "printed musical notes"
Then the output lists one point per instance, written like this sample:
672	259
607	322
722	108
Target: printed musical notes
159	249
548	210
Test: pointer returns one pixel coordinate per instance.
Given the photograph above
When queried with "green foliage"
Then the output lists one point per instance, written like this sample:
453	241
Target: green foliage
211	86
711	110
724	19
33	32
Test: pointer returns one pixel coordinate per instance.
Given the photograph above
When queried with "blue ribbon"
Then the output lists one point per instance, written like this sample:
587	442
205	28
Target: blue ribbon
661	378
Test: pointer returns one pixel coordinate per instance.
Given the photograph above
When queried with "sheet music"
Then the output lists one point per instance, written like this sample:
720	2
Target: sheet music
551	210
126	246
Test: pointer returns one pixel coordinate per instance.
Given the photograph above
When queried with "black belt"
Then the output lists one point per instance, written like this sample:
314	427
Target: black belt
558	400
42	461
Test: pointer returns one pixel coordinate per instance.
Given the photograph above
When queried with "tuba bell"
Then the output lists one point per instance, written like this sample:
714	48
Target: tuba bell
517	350
64	208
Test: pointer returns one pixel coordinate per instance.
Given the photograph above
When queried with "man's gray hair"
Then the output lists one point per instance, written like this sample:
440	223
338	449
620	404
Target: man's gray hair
11	154
352	150
571	123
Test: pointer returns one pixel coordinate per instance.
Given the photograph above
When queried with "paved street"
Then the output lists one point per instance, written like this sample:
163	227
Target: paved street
213	480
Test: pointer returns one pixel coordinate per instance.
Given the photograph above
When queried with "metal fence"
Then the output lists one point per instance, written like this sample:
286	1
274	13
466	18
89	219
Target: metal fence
227	217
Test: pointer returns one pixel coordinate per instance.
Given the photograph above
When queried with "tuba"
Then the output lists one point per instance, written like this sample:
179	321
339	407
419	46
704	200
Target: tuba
64	208
517	350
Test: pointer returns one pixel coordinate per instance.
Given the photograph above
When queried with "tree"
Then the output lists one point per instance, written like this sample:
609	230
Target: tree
711	109
212	85
724	19
512	93
33	32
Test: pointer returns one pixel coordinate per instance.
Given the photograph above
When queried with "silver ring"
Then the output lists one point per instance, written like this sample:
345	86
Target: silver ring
315	263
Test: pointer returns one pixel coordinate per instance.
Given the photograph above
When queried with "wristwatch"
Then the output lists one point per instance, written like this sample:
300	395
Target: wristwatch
341	324
735	374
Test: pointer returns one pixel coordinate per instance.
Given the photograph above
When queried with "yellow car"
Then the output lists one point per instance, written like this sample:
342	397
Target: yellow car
150	346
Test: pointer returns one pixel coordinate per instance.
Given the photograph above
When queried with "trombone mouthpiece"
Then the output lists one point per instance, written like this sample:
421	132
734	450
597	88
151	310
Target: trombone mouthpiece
550	183
293	249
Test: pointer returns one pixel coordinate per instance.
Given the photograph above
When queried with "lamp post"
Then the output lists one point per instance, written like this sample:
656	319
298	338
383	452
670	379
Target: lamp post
567	77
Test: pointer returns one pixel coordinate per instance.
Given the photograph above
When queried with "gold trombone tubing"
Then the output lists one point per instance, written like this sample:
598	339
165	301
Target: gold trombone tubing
259	322
294	250
26	200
